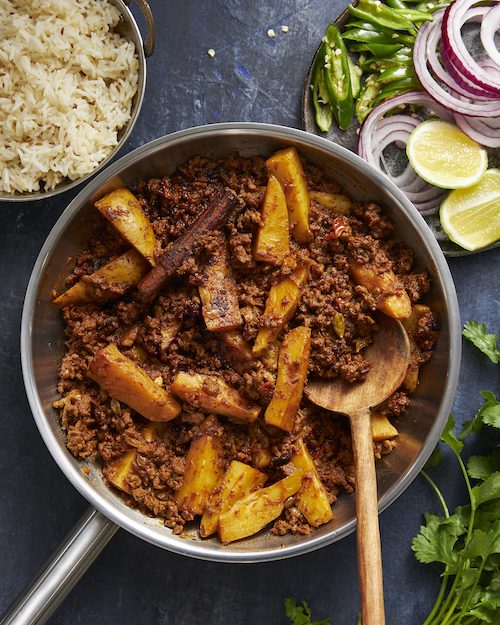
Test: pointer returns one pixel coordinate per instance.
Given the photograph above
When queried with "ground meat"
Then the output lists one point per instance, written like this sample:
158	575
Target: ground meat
169	335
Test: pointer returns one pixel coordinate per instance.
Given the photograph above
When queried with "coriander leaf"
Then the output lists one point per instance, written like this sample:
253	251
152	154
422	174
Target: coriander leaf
481	467
486	603
482	544
300	614
436	540
476	333
487	490
490	410
488	413
448	436
487	514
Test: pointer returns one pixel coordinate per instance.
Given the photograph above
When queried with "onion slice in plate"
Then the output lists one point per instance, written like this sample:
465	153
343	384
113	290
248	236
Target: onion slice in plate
480	130
423	43
447	72
378	132
454	19
489	27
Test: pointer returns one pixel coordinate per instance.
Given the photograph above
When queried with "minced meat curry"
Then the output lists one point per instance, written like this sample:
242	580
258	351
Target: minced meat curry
202	304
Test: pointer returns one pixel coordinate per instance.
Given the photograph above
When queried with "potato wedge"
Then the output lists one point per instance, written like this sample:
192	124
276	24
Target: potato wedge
382	428
255	511
127	382
272	242
281	303
118	470
212	394
219	293
168	334
286	166
204	471
312	498
109	281
410	325
124	211
293	361
391	297
239	480
262	457
336	202
235	349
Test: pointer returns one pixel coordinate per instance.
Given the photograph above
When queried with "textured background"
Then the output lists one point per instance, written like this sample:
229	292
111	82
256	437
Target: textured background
251	78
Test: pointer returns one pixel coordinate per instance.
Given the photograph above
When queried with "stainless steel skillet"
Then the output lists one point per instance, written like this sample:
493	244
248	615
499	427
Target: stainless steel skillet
42	348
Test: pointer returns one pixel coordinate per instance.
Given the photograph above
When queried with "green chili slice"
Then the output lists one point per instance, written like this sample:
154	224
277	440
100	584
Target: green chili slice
321	100
338	77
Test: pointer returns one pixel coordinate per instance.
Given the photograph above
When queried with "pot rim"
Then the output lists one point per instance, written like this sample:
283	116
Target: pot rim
203	550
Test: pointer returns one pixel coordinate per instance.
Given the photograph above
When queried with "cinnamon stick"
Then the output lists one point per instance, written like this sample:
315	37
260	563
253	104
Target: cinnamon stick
214	216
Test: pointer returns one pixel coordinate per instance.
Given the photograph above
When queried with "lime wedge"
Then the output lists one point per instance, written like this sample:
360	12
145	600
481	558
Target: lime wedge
444	156
471	217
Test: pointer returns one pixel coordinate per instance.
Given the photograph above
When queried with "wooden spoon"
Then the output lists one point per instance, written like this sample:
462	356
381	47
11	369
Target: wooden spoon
389	356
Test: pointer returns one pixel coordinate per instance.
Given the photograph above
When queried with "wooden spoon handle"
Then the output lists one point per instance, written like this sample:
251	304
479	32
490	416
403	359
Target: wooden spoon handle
368	535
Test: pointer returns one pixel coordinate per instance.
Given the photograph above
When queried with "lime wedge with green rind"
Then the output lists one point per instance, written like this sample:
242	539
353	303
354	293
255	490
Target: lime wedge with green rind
471	217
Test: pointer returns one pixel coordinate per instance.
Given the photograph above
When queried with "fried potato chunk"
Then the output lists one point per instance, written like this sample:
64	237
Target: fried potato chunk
391	297
336	202
125	381
218	292
312	499
281	303
272	242
410	325
211	393
286	166
382	428
124	211
109	281
253	512
293	361
117	471
203	472
239	480
235	350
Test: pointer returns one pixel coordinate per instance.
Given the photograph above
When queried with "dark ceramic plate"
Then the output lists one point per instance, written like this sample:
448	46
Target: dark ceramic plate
349	140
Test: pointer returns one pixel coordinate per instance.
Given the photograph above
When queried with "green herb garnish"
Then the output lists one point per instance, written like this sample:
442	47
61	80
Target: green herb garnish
476	333
300	614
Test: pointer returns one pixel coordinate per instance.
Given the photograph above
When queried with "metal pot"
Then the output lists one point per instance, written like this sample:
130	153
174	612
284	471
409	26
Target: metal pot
42	347
128	29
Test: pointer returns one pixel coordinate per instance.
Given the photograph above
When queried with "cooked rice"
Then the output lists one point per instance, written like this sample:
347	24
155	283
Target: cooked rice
66	87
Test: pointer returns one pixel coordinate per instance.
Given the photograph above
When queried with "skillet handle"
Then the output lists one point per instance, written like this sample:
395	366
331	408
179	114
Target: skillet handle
54	582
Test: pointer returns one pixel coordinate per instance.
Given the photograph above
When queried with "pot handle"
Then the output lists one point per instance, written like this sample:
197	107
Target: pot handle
149	44
54	582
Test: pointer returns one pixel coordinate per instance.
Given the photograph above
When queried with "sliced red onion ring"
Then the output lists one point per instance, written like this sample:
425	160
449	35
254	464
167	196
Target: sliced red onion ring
448	74
479	130
430	84
454	19
431	207
468	85
412	97
378	132
489	27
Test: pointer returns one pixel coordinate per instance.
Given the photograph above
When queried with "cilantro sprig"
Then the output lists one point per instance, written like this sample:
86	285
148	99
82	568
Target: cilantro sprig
467	542
477	334
300	614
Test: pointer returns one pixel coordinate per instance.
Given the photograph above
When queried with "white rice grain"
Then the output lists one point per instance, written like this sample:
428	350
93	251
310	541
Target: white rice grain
67	81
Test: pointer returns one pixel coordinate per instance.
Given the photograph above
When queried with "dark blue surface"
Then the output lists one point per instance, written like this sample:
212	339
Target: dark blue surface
251	78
